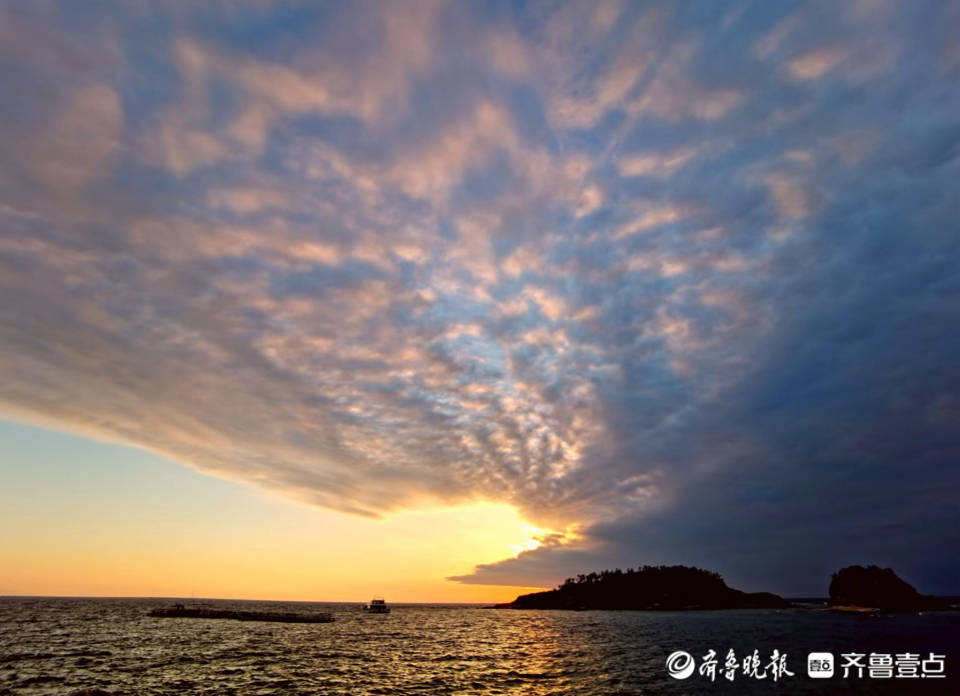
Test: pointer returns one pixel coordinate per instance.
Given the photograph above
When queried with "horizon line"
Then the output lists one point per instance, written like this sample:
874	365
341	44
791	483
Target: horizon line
223	599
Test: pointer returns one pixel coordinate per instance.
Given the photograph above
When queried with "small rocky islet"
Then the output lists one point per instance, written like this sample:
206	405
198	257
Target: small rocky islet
871	588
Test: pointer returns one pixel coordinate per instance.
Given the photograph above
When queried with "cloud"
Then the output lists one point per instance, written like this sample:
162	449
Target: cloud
673	94
816	63
660	165
676	283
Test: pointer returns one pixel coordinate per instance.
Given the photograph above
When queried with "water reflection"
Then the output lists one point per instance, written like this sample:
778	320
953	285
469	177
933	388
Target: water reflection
62	646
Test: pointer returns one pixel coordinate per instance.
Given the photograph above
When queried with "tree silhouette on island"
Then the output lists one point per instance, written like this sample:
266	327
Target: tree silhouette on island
673	588
650	587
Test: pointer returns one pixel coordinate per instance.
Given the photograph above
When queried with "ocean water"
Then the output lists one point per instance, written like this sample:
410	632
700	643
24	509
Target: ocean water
111	646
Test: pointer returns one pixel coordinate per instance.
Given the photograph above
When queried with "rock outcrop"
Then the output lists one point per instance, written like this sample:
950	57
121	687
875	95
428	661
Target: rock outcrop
878	588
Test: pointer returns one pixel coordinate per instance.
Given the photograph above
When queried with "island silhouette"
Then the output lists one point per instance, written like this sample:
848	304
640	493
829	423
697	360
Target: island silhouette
677	587
665	588
879	589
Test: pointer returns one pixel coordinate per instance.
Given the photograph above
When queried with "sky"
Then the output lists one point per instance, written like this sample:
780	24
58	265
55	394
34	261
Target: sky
447	300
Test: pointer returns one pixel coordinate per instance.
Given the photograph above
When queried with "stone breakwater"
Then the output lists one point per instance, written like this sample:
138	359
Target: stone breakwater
179	611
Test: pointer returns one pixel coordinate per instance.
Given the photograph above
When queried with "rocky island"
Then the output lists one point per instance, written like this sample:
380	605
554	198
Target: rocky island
665	588
871	588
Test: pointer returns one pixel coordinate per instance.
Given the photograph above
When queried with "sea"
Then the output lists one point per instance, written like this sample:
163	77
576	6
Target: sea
100	647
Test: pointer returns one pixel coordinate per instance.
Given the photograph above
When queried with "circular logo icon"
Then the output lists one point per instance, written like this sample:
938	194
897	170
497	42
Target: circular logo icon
680	664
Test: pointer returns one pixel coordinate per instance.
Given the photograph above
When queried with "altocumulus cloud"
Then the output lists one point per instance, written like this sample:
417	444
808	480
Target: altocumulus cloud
681	277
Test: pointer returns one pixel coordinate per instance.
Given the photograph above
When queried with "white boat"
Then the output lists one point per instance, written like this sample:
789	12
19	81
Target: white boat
377	606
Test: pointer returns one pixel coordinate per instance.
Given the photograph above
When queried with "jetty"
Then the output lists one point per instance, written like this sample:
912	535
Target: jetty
179	611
